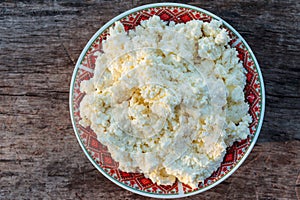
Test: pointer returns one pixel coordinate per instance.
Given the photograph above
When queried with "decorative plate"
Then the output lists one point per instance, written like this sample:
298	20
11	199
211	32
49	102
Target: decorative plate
136	182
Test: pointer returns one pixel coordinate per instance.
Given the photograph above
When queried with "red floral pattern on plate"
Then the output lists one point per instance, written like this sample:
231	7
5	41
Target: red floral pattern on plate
137	180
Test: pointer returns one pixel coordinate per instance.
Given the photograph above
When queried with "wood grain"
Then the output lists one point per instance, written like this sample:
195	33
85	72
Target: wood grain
40	42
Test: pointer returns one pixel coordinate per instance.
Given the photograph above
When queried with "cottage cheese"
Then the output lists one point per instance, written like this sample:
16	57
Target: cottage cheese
167	99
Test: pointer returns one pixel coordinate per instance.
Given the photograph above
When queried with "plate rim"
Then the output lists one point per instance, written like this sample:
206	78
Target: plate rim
111	22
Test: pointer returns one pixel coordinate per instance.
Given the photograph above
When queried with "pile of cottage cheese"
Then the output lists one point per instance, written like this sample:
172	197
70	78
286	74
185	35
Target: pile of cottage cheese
167	99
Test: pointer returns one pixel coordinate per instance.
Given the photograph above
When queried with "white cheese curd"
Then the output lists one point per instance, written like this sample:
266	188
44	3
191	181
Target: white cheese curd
167	99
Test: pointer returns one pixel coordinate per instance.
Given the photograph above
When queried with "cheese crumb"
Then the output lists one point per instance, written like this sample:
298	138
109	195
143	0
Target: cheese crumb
167	100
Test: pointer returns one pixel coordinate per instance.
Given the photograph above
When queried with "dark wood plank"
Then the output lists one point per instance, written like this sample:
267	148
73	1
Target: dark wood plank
40	42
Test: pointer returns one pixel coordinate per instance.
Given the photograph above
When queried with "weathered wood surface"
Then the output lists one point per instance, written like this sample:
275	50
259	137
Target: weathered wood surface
40	42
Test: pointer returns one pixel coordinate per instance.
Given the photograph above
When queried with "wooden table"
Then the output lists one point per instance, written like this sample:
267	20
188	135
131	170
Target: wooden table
40	42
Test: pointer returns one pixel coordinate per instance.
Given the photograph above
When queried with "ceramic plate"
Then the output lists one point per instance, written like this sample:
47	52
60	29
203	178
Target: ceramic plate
136	182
